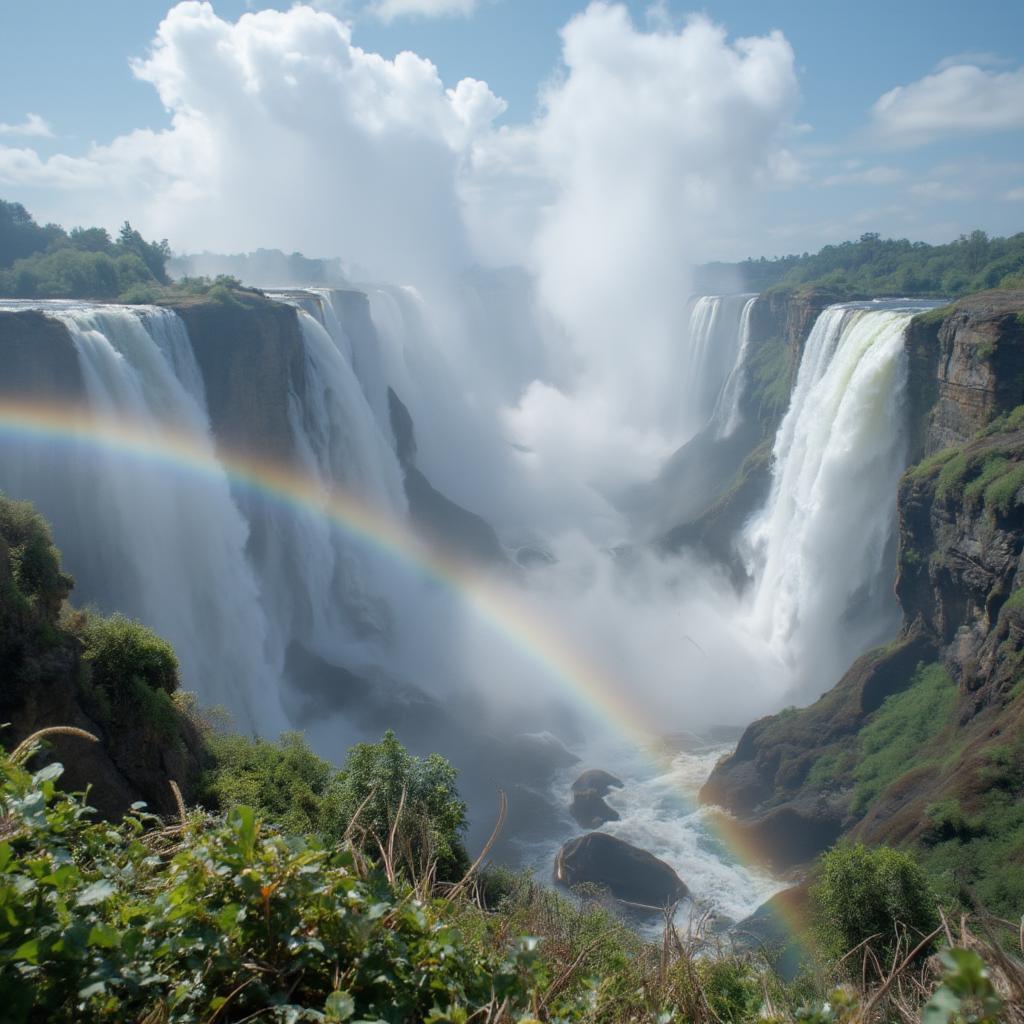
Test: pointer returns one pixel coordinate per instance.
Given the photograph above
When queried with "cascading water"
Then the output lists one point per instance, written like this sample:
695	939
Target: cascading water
713	355
821	550
133	532
728	415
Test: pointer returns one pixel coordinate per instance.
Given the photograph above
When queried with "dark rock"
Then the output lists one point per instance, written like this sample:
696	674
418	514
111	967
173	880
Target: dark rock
588	806
629	873
596	780
435	515
402	428
38	358
590	810
775	929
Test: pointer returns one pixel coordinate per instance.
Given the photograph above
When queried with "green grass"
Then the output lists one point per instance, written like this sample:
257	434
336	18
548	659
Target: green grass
952	475
892	743
1001	494
928	467
993	468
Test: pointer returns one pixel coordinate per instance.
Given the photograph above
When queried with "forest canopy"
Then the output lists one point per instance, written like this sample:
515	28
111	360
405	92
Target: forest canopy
874	266
45	261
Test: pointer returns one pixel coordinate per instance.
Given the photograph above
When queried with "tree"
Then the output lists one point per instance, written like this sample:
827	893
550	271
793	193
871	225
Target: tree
154	254
378	778
878	897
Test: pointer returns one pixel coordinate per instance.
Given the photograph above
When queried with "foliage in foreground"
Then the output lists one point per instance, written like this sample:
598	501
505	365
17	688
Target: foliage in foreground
382	793
228	919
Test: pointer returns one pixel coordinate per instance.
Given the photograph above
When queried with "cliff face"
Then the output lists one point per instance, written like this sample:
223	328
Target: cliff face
710	485
966	365
251	360
38	358
911	744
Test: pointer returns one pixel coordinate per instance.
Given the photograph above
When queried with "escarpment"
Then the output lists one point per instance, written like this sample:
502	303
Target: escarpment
920	741
38	358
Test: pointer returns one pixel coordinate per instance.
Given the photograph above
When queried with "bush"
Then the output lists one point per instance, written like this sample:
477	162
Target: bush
879	897
226	920
285	782
36	575
378	777
120	651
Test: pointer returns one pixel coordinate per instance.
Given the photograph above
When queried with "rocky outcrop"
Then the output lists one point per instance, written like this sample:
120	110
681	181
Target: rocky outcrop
436	516
38	359
795	780
966	365
627	872
46	683
588	806
251	359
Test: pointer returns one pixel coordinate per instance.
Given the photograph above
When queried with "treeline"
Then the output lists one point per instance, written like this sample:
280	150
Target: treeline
874	266
45	261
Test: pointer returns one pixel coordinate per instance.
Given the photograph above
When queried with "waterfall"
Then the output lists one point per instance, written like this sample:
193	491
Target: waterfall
165	546
821	550
715	350
727	415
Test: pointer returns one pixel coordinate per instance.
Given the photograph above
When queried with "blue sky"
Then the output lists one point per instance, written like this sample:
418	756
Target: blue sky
68	62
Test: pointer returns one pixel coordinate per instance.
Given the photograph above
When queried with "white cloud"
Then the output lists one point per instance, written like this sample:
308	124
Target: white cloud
388	10
939	191
961	98
979	58
866	176
33	125
1014	195
651	145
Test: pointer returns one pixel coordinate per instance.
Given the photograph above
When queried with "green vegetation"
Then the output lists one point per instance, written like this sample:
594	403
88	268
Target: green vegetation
897	735
48	262
232	918
874	266
35	577
381	789
119	650
876	899
975	855
86	263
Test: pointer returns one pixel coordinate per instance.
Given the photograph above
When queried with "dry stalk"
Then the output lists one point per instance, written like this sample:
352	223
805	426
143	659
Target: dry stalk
22	751
499	825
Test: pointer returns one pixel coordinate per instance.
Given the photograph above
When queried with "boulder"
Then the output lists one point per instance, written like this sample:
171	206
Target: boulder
588	805
596	780
627	872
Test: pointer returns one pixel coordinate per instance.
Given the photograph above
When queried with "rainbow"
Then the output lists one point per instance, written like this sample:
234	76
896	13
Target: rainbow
496	605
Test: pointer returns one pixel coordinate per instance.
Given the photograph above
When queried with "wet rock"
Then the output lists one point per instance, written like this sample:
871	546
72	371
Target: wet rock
588	806
627	872
596	780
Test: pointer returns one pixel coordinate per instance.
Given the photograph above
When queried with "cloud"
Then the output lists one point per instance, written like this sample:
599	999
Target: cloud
388	10
1014	195
650	145
959	99
33	125
939	191
866	176
979	58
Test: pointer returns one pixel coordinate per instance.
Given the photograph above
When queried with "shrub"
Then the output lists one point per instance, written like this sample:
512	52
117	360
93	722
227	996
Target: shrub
120	651
226	920
375	777
285	782
35	563
878	897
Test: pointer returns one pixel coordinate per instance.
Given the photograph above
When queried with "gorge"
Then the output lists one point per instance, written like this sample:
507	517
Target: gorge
321	627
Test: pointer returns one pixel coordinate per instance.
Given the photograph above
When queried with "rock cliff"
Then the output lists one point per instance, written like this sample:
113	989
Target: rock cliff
912	743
